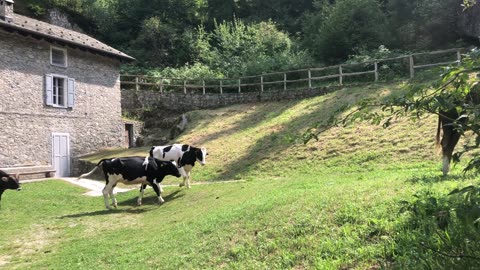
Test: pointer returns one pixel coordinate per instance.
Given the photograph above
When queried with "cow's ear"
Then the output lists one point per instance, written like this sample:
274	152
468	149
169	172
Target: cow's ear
4	179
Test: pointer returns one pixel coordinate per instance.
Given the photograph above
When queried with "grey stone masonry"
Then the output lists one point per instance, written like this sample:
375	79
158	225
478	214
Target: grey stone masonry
133	101
27	123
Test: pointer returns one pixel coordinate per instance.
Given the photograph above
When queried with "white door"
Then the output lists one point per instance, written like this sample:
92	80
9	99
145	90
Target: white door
61	154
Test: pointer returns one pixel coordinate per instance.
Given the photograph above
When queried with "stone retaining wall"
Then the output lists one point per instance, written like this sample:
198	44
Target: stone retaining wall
135	101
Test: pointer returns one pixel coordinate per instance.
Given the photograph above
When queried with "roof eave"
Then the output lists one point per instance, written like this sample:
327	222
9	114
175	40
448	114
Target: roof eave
51	38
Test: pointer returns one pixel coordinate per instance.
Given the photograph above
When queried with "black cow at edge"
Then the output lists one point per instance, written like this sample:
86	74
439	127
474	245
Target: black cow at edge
8	182
129	171
448	123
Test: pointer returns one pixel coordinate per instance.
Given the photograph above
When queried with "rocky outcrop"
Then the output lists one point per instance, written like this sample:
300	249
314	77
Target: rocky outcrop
162	126
59	18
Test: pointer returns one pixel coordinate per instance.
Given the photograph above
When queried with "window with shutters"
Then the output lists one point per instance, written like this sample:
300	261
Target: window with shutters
58	94
58	57
59	91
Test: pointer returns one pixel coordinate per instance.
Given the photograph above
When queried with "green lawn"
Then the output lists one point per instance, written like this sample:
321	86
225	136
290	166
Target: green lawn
331	204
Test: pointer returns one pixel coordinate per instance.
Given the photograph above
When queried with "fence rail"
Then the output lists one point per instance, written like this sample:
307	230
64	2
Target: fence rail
291	78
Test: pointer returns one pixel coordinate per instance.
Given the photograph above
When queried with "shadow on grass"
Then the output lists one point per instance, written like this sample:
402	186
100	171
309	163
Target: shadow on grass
152	200
435	178
148	204
274	144
137	210
259	116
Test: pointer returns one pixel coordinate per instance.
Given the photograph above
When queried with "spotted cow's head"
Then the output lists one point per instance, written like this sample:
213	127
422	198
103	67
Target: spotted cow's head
201	155
168	168
9	182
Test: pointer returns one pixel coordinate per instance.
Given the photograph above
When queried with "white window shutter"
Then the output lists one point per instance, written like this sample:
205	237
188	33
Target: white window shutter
49	89
71	92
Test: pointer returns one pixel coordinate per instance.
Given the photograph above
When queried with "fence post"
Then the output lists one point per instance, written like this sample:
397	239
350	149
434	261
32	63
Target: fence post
459	58
285	81
203	86
376	71
309	79
340	72
412	70
185	87
161	85
221	87
137	87
261	83
239	86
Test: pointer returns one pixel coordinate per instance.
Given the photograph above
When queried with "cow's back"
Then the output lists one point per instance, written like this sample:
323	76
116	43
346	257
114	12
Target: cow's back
167	153
129	167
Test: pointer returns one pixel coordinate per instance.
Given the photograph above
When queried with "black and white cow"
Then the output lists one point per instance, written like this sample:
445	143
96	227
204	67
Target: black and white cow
130	170
8	182
183	155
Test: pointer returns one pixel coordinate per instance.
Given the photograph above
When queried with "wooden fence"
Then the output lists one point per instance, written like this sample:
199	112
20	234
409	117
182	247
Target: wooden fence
287	80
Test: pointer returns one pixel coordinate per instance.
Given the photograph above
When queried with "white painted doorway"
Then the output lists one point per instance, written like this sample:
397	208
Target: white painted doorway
61	154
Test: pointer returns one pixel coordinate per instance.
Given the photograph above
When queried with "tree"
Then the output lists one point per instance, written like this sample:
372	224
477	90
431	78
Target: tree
422	24
338	30
236	48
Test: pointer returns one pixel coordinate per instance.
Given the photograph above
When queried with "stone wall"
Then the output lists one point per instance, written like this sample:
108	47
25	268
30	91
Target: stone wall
135	101
27	123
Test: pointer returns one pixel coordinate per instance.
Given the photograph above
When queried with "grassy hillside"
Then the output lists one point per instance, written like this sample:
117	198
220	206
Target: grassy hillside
331	204
264	139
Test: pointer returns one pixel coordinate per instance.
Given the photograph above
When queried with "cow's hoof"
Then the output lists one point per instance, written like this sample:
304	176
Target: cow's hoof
181	184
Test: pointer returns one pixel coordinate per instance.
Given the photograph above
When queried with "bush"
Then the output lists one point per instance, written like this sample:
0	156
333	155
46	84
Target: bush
237	49
441	230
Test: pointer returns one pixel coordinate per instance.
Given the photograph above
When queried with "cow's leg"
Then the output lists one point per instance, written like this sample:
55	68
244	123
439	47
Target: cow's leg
188	169
182	172
140	196
112	196
446	165
106	192
157	190
449	141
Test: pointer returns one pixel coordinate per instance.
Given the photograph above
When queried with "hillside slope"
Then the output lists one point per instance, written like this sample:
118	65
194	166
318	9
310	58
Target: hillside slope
331	204
250	140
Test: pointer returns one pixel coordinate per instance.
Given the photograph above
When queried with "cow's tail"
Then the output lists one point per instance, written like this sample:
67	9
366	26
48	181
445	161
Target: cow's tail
145	163
85	175
437	138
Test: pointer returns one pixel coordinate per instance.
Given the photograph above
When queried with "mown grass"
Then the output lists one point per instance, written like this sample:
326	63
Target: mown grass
329	204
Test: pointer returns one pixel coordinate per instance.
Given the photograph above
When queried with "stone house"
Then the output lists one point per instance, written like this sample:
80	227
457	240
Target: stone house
59	94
